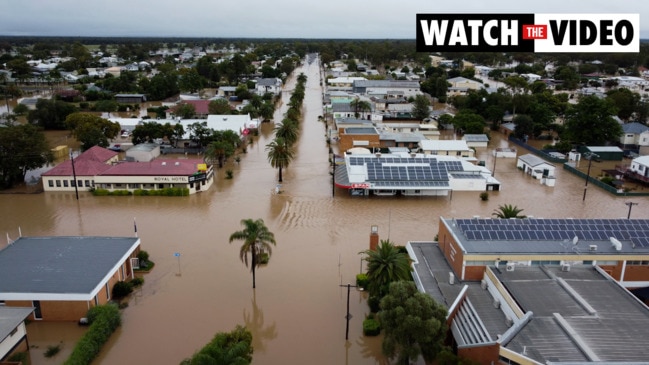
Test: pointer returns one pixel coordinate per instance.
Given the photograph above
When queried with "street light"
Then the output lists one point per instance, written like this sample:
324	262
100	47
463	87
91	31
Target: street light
630	204
590	157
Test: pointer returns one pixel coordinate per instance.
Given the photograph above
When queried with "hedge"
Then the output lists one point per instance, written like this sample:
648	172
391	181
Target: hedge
104	320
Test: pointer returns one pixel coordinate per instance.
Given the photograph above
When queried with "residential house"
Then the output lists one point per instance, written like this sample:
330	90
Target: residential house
270	85
639	169
130	98
226	92
201	108
342	83
635	134
345	110
66	276
365	136
462	85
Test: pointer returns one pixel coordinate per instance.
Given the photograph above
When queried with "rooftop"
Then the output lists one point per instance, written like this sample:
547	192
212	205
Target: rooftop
46	268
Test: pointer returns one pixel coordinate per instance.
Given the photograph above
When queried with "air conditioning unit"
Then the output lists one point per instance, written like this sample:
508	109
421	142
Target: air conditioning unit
510	267
451	278
592	247
565	267
509	322
484	284
496	303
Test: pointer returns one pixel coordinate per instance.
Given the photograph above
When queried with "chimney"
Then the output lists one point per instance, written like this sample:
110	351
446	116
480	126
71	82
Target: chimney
374	237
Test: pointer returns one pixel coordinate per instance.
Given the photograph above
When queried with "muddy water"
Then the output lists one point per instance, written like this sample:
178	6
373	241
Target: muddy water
297	312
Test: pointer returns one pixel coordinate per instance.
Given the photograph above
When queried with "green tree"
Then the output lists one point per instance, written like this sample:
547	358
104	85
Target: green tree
232	348
507	211
421	107
524	126
50	114
280	154
468	122
413	322
384	266
190	80
219	107
288	130
591	122
218	151
626	101
91	130
360	106
22	148
147	132
256	239
185	110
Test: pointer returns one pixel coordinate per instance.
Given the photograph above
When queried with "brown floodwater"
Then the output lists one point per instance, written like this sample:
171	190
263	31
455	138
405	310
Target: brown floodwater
297	313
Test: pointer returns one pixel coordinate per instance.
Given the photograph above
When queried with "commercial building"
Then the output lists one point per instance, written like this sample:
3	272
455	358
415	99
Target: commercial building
62	277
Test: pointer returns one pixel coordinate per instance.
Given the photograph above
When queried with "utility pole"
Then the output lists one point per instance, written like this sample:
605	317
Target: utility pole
590	162
630	204
74	176
348	316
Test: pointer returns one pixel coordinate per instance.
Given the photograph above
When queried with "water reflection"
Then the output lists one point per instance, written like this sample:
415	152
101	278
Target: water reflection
254	321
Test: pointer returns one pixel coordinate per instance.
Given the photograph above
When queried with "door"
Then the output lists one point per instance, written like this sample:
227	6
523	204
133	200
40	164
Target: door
37	309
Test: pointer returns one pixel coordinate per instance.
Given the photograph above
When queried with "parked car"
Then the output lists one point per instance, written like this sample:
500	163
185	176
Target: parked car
116	148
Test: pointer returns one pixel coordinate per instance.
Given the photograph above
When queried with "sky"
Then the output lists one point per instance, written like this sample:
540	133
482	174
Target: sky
307	19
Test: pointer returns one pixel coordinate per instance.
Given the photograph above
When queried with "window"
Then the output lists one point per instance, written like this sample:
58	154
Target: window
50	183
73	183
87	183
65	183
58	183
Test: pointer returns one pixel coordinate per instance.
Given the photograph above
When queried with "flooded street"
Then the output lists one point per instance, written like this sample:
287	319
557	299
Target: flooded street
297	313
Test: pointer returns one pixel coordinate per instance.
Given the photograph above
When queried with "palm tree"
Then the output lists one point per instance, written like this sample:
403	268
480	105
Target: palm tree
359	106
384	266
280	154
288	130
256	240
507	211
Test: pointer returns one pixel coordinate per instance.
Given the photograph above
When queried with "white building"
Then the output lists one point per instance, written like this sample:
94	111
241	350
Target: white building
458	148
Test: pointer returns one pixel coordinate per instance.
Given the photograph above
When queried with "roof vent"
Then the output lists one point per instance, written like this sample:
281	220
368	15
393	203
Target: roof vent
164	163
592	248
177	163
510	267
616	243
565	267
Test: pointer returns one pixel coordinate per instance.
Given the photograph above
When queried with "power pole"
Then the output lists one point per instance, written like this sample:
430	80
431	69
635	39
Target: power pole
74	176
348	316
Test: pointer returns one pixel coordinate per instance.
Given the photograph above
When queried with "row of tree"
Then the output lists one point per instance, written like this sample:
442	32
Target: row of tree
281	150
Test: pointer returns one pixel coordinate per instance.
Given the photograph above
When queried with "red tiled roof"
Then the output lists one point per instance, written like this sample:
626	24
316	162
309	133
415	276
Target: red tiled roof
90	163
81	168
96	153
158	167
200	106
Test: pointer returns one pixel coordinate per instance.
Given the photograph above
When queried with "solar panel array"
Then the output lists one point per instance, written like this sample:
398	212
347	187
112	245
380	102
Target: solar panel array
407	171
634	230
411	184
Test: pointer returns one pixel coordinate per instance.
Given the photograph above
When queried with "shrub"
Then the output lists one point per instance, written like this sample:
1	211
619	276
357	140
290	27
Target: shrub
143	256
374	303
362	281
103	321
100	192
484	196
20	357
122	289
137	282
228	174
371	327
52	350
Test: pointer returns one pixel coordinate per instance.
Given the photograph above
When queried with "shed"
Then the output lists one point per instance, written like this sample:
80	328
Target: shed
476	140
143	152
605	153
535	166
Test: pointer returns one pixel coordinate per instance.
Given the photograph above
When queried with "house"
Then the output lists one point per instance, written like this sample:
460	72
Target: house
342	83
345	110
457	148
462	85
66	276
226	91
201	107
13	332
476	140
270	85
535	166
86	166
639	169
635	134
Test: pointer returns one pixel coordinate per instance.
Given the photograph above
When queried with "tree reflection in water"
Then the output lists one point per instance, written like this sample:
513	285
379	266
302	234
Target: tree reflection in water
254	322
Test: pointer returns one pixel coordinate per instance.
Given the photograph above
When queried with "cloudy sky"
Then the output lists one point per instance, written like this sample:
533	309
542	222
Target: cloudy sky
394	19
